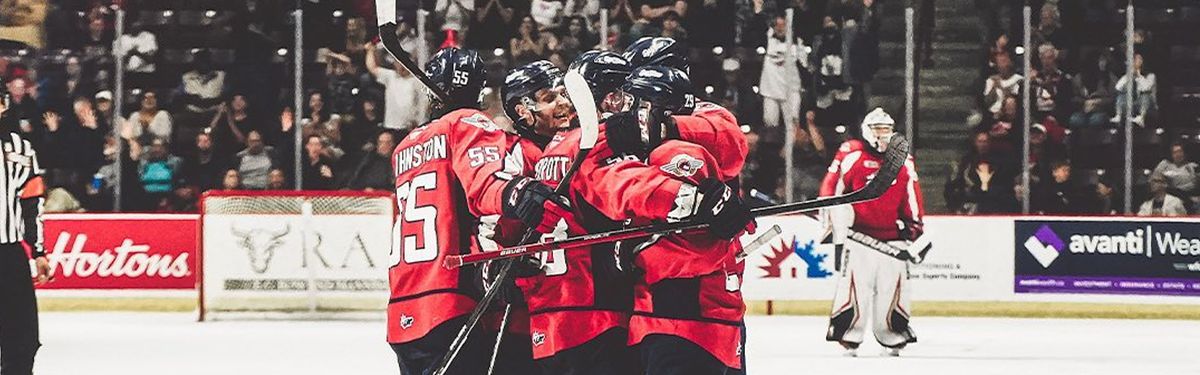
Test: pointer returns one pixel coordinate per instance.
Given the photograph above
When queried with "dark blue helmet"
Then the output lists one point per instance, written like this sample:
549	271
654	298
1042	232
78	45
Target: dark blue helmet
521	86
665	88
604	71
460	73
658	51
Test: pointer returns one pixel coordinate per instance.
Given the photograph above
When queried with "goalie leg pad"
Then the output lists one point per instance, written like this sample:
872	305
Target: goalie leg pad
892	303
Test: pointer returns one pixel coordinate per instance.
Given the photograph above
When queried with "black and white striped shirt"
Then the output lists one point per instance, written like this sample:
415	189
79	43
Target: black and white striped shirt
22	192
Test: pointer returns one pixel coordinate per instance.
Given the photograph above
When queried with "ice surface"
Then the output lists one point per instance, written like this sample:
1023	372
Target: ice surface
168	343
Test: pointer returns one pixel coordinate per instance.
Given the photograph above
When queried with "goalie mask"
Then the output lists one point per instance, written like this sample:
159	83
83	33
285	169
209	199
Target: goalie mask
878	127
657	93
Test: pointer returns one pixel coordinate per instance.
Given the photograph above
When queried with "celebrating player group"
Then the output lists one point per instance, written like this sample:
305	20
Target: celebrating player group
615	144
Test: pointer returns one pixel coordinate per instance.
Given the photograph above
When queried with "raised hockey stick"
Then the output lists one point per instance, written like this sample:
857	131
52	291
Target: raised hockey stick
894	158
589	128
385	14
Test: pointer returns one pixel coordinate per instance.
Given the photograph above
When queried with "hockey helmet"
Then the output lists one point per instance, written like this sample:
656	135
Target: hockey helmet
461	74
521	86
658	51
878	128
604	72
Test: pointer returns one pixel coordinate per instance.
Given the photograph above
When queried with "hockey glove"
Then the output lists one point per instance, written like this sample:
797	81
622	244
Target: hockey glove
723	210
624	135
910	230
535	204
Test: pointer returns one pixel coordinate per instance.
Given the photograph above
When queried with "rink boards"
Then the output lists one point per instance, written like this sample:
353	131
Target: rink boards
145	259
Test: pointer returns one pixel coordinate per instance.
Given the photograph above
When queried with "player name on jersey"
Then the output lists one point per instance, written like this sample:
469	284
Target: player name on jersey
421	153
552	168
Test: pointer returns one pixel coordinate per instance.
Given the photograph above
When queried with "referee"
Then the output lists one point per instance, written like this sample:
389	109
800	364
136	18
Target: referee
22	195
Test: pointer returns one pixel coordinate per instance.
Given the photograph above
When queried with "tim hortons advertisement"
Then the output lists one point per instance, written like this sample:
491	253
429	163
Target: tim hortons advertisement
281	254
796	266
121	251
1145	257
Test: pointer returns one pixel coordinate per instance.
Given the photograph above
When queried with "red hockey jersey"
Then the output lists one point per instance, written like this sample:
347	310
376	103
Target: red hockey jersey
852	168
496	232
448	173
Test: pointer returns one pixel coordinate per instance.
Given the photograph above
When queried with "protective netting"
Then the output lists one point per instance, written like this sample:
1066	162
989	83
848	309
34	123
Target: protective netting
294	205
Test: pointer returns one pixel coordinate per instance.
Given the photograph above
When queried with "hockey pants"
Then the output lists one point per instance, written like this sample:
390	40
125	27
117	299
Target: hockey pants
874	287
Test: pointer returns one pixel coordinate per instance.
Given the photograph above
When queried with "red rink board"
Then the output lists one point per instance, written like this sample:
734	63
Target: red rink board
121	251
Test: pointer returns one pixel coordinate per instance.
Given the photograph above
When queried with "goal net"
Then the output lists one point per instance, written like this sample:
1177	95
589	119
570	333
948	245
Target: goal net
294	255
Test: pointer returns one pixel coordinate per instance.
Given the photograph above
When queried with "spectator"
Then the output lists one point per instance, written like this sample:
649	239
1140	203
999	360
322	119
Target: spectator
547	13
1093	89
98	43
456	16
1005	83
621	13
492	24
405	102
981	182
141	47
586	9
277	180
202	94
1179	173
231	180
1049	29
104	105
1161	203
1144	96
1000	130
1106	197
832	93
1051	88
1058	195
318	166
374	171
779	83
229	126
528	45
860	48
203	170
576	39
656	10
158	170
255	162
149	122
321	123
340	82
23	103
72	147
356	134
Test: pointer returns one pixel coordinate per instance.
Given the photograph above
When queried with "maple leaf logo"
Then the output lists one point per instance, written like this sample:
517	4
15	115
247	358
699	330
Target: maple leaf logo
779	253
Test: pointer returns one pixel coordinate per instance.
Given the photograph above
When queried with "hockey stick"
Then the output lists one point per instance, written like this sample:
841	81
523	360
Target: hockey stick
759	242
894	158
385	14
914	253
589	124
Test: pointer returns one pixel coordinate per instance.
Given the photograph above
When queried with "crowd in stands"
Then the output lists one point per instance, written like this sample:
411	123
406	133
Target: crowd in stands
1079	99
207	85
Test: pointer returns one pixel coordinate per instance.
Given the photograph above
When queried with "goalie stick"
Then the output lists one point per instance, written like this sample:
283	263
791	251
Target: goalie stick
385	14
894	158
589	123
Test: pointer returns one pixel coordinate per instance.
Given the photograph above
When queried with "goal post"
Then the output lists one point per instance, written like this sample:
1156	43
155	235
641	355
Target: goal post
294	255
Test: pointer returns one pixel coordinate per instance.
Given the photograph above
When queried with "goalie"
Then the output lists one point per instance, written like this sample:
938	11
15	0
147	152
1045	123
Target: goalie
872	285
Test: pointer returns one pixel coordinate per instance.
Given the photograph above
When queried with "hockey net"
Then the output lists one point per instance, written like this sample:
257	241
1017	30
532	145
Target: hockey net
294	255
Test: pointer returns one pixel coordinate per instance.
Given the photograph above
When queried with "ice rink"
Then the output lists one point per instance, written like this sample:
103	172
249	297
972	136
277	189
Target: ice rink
172	343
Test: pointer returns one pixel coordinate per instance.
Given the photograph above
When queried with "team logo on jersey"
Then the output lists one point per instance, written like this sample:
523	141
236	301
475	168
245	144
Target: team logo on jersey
683	165
406	321
538	338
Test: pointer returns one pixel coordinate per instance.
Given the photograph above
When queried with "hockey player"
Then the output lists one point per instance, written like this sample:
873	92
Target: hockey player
533	99
449	172
604	72
873	286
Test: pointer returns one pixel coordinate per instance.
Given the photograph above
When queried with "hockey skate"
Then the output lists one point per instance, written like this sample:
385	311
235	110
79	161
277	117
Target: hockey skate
851	349
892	351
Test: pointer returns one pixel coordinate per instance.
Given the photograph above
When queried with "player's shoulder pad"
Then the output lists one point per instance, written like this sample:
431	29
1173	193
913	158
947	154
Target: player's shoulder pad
851	145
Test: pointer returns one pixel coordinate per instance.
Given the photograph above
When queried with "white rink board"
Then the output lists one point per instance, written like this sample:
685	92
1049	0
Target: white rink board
347	255
972	260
